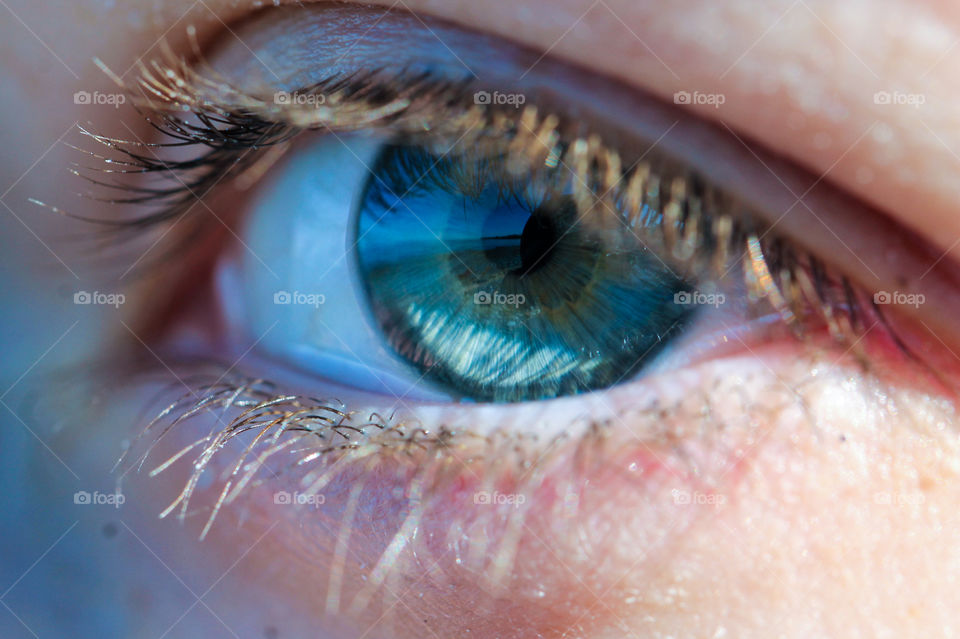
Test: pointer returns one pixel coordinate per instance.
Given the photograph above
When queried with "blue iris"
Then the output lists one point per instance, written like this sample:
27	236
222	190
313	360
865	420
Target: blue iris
495	289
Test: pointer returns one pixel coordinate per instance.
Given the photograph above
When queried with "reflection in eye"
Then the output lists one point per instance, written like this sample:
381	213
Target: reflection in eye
494	288
449	273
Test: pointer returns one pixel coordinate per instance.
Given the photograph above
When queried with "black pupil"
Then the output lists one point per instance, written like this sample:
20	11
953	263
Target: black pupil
538	240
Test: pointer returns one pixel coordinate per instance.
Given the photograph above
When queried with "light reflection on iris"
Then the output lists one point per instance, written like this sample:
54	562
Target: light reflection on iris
497	291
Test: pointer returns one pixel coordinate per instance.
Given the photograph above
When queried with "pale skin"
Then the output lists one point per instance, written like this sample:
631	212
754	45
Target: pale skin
838	519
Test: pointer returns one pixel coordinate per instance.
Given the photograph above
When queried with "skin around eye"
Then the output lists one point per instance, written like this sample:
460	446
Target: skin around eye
638	517
837	517
677	462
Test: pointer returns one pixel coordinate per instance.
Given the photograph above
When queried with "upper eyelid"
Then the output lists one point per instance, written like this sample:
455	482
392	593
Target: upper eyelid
908	269
676	39
815	300
803	206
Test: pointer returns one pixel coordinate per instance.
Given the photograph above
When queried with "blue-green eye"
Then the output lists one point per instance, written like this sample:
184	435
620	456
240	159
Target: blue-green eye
407	268
389	267
492	287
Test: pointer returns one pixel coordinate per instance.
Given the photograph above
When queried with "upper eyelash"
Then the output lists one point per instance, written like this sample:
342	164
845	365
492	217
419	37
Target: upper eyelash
693	222
224	140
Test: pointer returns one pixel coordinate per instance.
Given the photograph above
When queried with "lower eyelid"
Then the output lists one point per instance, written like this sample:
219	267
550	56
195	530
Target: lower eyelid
627	471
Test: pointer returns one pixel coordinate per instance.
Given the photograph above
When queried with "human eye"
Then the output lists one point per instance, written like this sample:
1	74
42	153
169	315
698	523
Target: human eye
470	320
471	245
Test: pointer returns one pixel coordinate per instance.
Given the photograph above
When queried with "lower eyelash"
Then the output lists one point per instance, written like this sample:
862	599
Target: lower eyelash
320	438
325	427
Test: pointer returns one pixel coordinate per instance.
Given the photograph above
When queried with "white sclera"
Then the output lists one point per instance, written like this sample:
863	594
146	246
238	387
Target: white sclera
299	236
